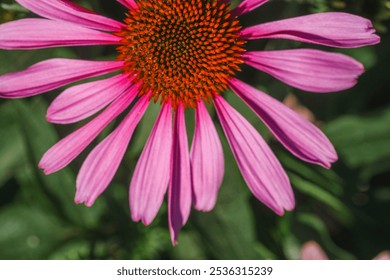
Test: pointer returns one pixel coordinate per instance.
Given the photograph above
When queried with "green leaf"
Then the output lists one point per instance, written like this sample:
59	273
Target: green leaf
59	187
325	178
264	252
362	140
334	204
190	246
12	152
29	233
382	194
154	241
13	8
320	228
228	231
291	247
72	250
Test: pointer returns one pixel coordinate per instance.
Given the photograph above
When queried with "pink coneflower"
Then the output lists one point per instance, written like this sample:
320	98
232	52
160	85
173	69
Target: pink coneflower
181	54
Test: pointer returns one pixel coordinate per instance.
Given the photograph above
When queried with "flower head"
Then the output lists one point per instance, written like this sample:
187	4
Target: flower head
182	54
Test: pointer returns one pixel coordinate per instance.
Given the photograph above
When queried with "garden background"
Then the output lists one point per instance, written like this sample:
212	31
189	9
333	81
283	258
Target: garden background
345	209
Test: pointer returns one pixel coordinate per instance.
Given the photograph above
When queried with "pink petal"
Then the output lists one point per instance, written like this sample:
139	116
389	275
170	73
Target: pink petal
81	101
65	10
51	74
179	195
306	69
246	6
151	175
329	29
129	4
260	168
298	135
311	250
99	168
207	162
36	33
62	153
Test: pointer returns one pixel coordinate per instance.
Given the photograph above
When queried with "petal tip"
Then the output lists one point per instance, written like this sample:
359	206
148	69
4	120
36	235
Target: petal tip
49	117
331	158
204	207
90	201
279	212
135	217
146	221
174	240
42	165
290	207
46	172
78	200
376	39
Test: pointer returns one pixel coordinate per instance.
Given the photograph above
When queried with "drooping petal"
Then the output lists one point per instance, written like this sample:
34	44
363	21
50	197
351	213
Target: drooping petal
79	102
330	29
179	194
102	163
151	175
62	153
129	4
260	168
51	74
246	6
207	163
306	69
36	33
65	10
298	135
311	250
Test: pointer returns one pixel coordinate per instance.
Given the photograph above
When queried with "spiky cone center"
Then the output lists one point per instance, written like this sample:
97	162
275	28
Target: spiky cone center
182	51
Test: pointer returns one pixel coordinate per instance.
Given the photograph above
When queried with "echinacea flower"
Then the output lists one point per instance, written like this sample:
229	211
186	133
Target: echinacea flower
311	250
181	54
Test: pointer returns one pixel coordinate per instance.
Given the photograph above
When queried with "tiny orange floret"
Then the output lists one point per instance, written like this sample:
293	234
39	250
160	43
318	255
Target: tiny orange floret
182	51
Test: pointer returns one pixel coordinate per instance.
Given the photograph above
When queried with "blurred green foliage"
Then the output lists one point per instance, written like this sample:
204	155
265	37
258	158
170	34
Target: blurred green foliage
345	209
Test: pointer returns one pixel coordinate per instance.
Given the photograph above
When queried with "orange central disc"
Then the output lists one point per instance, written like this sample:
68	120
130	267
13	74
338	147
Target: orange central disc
181	50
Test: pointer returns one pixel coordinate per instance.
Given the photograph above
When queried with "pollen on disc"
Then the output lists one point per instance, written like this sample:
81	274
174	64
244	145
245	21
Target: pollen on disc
181	51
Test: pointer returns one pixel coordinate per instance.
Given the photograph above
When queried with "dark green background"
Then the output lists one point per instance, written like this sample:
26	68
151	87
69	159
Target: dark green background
345	209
